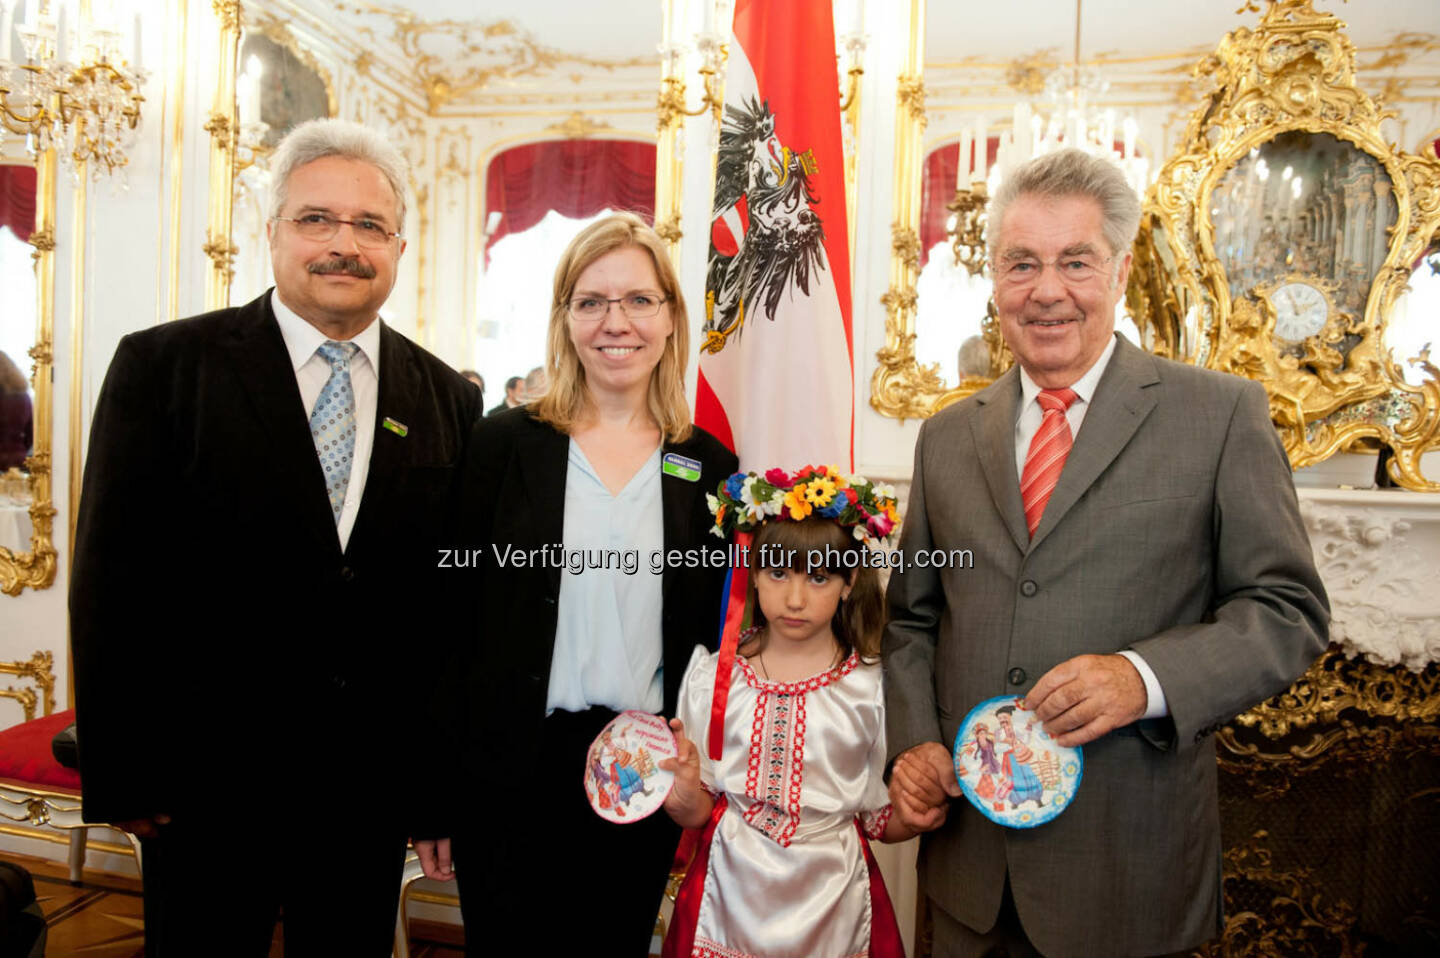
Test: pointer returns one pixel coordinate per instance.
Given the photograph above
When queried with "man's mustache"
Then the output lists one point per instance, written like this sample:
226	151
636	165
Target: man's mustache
349	265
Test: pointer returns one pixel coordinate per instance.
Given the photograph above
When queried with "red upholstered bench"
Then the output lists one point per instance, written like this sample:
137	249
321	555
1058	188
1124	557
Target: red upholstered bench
37	789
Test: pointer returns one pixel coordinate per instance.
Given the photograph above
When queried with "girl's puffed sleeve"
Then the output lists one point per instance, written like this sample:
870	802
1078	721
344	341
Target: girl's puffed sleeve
693	708
876	801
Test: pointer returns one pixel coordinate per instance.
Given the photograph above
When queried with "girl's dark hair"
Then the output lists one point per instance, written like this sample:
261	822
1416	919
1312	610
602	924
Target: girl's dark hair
860	619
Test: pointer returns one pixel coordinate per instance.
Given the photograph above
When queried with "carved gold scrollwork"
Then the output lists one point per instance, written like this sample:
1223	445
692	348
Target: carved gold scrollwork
1289	86
40	670
1342	714
1296	920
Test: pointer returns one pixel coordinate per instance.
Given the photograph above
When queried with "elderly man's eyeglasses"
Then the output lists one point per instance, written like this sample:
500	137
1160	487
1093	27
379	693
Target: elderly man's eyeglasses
322	226
1074	270
634	306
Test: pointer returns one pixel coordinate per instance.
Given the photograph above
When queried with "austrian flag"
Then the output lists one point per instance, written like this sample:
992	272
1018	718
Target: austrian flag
776	357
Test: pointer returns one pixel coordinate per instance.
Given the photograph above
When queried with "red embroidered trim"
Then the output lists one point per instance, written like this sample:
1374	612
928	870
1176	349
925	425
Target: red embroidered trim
705	948
873	822
776	764
805	685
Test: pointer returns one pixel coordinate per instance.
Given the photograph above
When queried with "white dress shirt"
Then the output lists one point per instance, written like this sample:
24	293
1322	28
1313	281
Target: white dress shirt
312	372
1028	423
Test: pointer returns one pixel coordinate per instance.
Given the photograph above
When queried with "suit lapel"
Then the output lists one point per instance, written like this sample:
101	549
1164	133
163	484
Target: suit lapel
396	398
543	454
262	365
1122	401
994	434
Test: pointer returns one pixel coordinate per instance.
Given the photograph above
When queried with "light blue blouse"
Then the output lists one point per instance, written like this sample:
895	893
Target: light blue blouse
607	637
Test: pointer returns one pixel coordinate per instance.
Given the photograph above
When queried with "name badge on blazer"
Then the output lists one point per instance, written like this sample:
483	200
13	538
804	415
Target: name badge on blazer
680	467
397	427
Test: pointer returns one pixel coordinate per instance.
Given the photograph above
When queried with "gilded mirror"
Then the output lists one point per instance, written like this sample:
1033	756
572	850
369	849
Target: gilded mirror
1284	234
27	243
270	81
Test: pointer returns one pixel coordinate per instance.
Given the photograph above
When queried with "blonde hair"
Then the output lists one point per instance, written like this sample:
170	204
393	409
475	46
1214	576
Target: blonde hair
567	397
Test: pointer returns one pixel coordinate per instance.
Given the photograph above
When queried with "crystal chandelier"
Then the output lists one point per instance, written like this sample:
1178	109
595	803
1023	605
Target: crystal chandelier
67	84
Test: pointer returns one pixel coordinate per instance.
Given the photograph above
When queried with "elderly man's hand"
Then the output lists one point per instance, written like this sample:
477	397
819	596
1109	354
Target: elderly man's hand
1083	698
922	782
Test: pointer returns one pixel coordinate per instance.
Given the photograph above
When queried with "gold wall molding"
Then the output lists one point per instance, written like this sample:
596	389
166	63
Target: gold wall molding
222	125
578	126
40	670
1334	388
37	567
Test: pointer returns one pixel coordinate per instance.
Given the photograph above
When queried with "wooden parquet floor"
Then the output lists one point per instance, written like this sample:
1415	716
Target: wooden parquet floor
103	917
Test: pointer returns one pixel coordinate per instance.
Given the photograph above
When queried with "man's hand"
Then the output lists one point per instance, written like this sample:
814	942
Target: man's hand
922	782
435	858
144	827
1083	698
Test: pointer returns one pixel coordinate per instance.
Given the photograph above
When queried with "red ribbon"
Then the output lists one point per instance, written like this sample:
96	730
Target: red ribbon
729	642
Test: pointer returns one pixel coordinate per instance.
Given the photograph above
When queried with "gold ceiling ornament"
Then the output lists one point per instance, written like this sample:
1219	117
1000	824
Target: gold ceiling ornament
37	567
1282	233
39	669
577	126
1027	75
455	58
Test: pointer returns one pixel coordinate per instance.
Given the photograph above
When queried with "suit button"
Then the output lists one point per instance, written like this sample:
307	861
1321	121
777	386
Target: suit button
1028	588
1017	676
347	573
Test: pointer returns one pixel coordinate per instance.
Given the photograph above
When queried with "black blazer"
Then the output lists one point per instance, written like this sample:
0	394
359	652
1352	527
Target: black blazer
219	632
514	494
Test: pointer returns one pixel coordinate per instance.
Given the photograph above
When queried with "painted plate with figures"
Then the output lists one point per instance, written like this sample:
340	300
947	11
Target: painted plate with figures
623	778
1010	769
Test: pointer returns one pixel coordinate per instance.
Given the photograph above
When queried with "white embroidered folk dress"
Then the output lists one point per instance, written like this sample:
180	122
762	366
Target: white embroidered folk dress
786	874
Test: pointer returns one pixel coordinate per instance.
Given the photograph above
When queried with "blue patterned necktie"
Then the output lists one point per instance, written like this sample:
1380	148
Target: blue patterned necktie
332	424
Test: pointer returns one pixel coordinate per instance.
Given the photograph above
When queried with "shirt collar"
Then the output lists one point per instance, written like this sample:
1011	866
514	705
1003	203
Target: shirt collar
302	339
1084	387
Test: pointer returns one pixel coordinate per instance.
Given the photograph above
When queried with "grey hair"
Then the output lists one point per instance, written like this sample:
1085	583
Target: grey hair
1071	173
316	139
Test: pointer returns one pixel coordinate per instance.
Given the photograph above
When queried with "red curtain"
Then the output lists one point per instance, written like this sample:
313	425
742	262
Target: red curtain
17	199
575	178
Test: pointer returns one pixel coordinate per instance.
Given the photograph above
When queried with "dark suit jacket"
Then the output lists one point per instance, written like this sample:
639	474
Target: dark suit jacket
223	642
1174	530
514	494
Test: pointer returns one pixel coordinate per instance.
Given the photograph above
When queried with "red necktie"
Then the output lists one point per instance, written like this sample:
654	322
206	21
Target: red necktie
1047	454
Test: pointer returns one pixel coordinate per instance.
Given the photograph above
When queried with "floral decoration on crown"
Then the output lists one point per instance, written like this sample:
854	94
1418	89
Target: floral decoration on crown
746	500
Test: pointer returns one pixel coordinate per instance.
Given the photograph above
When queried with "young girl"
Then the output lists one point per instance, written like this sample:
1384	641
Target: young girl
783	867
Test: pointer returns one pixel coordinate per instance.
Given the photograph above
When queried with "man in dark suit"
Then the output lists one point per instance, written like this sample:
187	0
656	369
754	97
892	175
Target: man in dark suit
512	396
266	492
1138	581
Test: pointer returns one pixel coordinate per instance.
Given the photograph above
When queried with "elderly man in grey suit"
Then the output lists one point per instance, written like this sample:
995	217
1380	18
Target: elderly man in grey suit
1141	574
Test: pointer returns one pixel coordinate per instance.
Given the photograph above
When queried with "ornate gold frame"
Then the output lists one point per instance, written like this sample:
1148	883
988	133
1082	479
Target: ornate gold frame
1294	72
36	568
40	669
901	388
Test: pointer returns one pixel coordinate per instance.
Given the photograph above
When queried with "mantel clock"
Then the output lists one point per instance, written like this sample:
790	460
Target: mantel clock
1277	240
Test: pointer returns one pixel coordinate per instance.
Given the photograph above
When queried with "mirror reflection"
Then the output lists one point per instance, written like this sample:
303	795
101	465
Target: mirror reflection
1412	330
1309	205
17	335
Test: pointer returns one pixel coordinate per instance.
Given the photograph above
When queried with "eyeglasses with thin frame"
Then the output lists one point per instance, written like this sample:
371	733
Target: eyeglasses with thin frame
321	227
634	305
1076	269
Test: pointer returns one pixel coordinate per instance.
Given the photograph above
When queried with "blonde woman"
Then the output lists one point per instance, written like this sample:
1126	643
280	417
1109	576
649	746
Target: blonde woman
574	502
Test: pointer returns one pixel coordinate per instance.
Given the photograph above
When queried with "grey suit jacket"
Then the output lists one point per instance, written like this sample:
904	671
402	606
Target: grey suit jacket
1174	531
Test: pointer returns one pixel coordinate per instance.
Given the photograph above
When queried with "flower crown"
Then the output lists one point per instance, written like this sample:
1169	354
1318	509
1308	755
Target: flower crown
745	501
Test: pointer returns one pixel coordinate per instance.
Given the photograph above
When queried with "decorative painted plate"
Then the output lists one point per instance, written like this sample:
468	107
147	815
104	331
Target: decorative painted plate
1010	769
623	778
